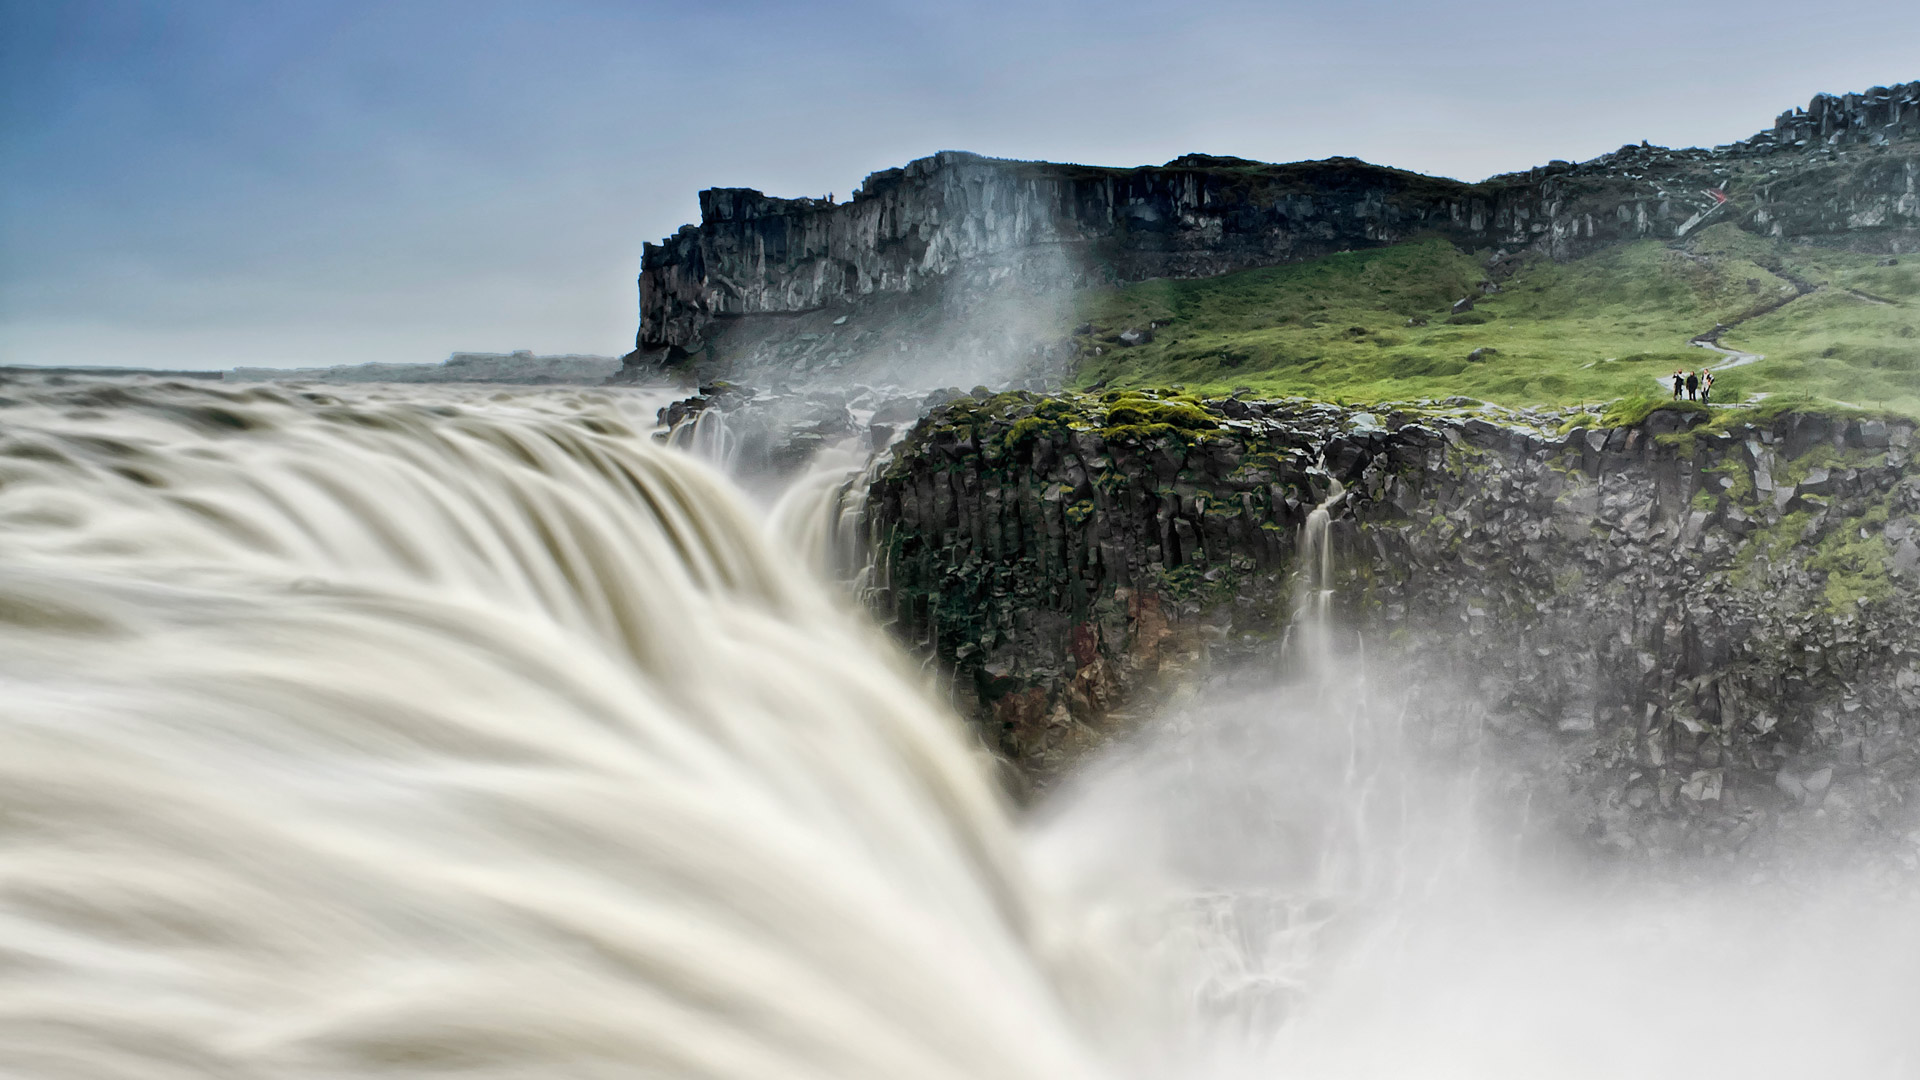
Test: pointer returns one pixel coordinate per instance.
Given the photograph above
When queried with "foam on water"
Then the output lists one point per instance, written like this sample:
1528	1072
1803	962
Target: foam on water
467	731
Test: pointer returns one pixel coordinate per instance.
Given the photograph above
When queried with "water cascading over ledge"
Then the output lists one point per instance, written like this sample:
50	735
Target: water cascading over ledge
460	732
467	732
1704	629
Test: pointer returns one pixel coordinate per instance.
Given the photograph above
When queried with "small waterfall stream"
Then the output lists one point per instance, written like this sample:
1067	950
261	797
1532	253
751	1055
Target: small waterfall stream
1306	643
709	436
1321	888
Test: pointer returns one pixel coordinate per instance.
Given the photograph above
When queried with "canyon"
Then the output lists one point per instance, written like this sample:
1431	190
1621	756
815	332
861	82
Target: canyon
1693	625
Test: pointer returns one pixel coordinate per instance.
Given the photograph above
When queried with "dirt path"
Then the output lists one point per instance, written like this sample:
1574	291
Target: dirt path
1871	299
1734	358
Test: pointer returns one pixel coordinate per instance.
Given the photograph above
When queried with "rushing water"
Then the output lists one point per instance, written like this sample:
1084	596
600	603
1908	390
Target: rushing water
459	731
467	731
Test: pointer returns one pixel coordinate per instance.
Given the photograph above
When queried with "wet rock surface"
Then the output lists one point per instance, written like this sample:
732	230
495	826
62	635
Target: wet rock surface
772	433
1704	631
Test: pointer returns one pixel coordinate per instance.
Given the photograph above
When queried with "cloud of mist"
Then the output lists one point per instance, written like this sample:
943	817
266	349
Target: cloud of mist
1333	884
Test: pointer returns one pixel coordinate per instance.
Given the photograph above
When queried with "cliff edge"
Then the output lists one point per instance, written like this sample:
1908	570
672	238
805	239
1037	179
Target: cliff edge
946	229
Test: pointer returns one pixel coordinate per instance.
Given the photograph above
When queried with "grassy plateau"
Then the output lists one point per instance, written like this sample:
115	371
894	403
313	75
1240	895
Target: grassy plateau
1376	325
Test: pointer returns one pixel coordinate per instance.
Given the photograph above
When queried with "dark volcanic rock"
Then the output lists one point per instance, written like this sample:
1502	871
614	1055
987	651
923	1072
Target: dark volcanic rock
1687	614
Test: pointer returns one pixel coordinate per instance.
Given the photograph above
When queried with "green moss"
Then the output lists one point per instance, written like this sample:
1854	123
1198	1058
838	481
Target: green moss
1635	408
1740	482
1822	456
1772	543
1190	582
1026	429
1854	559
1175	413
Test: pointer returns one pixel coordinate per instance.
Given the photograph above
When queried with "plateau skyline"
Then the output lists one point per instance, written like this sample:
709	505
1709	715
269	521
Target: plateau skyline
214	184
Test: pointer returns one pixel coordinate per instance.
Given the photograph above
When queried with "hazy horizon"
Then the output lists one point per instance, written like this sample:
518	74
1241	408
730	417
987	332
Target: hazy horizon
318	184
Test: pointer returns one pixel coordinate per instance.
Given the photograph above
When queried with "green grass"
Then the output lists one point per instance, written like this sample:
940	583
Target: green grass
1376	325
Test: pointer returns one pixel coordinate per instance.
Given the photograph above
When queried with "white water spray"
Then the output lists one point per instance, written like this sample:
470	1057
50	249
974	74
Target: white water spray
710	437
1329	890
468	733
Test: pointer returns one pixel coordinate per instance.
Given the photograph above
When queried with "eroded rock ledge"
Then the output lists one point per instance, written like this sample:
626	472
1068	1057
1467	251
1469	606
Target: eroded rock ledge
1712	619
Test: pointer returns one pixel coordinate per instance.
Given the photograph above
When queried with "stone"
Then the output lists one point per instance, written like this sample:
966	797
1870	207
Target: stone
1703	786
1589	600
1462	306
1906	558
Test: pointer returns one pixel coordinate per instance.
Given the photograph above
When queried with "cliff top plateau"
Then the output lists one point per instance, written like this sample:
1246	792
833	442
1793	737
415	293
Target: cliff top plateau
1779	254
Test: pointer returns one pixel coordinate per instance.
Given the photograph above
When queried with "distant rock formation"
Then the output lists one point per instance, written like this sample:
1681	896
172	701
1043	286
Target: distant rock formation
1845	170
520	367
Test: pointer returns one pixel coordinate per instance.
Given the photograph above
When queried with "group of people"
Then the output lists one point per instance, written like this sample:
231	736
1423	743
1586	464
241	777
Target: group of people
1697	384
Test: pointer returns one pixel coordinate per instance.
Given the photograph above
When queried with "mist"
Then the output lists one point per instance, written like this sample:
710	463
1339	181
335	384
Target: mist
1336	882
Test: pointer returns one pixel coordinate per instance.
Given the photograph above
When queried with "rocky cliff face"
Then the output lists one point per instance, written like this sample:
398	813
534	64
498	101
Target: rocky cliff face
1881	115
1708	627
1844	170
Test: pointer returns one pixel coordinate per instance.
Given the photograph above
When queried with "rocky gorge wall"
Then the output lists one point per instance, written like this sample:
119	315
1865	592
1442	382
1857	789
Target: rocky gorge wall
1704	625
1844	170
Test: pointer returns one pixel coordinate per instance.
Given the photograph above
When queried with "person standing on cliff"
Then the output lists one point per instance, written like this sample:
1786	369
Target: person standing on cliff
1706	385
1693	386
1679	379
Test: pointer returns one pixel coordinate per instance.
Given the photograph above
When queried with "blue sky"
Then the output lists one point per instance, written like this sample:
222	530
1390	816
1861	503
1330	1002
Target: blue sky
206	183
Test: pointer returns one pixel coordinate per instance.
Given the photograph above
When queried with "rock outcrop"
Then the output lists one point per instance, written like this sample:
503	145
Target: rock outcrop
1711	623
956	225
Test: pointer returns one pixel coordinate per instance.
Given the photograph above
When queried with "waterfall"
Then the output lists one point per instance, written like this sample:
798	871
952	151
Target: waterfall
709	435
821	517
470	733
465	731
1307	642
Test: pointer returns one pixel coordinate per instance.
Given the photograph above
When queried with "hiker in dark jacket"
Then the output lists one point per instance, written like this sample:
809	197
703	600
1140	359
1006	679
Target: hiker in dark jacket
1693	386
1678	379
